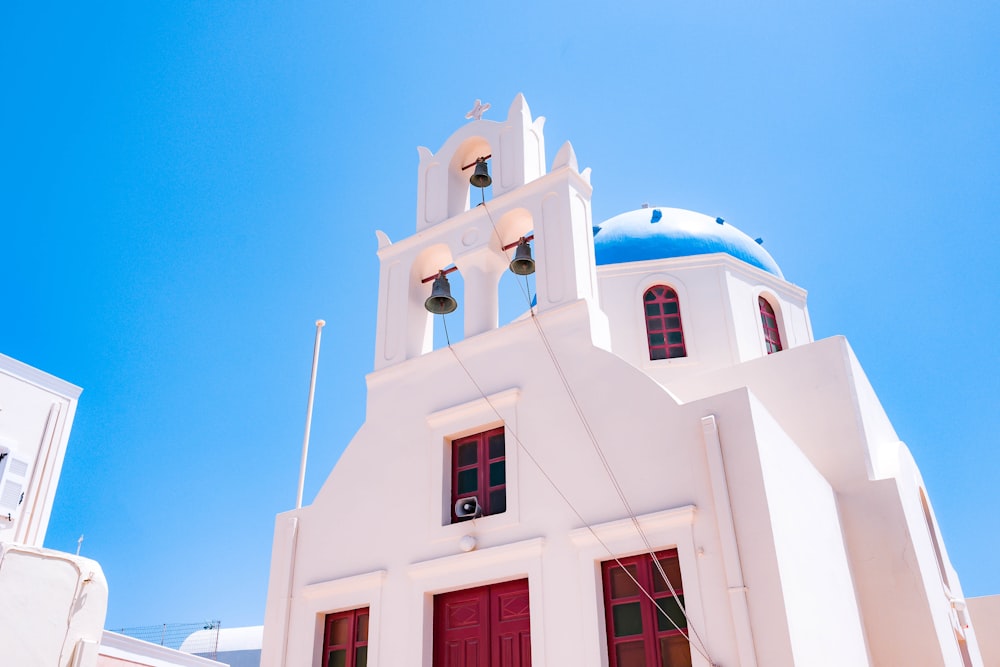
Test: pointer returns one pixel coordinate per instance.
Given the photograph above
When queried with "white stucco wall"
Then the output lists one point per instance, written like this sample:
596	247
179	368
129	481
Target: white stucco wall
400	551
52	607
36	415
985	613
816	584
719	312
820	397
396	464
123	651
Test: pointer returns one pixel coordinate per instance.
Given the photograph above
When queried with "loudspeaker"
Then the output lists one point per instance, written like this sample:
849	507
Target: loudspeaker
468	507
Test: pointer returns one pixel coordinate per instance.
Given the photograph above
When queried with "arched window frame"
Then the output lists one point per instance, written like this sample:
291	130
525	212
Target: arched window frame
770	323
669	323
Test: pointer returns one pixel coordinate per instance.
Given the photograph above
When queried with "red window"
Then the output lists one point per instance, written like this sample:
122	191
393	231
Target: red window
771	336
483	627
641	634
345	639
478	470
663	323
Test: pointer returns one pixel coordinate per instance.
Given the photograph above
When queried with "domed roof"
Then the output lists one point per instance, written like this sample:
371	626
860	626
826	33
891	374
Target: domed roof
661	233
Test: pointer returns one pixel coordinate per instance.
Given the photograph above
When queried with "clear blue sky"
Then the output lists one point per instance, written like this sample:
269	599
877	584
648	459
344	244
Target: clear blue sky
186	186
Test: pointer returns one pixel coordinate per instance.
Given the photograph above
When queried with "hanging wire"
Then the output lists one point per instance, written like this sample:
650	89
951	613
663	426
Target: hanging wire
700	646
444	323
600	453
593	440
520	444
526	289
614	481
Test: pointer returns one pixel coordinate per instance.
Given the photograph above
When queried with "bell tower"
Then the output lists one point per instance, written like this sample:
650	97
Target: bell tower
477	240
516	149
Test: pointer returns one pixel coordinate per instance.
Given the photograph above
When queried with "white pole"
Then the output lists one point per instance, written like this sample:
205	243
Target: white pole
309	413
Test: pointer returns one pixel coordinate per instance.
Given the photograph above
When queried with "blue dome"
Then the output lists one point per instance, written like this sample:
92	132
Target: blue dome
661	233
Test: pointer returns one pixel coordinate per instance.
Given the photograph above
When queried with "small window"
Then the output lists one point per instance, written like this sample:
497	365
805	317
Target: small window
663	323
488	626
479	470
770	323
13	485
642	633
345	639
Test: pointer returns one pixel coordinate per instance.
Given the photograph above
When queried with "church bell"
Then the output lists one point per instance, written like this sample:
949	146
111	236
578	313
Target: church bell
481	176
440	302
522	264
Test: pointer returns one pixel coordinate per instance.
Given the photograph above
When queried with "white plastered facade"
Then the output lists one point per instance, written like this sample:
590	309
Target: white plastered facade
802	527
52	604
36	415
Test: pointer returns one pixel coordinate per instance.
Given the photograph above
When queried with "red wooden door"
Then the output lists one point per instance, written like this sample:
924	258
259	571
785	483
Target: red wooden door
509	624
483	627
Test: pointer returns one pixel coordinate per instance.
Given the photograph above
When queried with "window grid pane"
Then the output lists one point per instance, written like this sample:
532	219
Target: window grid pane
660	644
622	585
345	639
627	619
479	470
664	333
769	321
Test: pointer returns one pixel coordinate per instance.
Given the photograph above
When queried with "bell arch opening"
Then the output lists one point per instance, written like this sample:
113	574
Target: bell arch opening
515	293
450	327
462	194
427	292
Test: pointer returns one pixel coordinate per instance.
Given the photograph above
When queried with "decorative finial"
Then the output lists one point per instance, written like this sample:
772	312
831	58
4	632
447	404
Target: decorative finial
478	109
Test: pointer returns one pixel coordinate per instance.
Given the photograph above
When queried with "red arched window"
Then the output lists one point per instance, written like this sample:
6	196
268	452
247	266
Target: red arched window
663	323
771	336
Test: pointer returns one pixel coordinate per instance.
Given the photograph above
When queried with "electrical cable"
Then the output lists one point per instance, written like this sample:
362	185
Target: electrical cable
614	481
702	649
526	290
597	447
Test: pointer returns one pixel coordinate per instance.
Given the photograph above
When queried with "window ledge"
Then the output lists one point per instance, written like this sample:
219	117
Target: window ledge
457	413
479	559
359	582
619	529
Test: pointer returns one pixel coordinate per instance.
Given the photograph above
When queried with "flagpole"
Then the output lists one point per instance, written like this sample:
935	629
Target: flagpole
309	412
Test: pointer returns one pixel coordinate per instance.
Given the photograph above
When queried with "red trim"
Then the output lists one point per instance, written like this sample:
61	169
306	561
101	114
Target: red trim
472	463
346	633
478	159
772	338
529	237
442	272
638	633
664	332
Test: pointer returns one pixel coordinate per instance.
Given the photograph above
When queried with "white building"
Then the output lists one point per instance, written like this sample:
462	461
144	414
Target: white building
52	604
665	396
36	415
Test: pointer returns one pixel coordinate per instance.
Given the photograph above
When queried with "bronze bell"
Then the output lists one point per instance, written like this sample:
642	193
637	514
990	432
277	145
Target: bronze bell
440	302
481	176
522	264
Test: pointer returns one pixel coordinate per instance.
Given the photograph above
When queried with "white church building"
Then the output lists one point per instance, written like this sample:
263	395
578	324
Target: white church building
656	465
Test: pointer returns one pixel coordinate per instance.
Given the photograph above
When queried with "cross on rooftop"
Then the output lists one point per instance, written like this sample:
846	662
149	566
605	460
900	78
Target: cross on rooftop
478	109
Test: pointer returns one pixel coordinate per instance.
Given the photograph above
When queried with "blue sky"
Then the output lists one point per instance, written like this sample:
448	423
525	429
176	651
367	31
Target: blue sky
186	187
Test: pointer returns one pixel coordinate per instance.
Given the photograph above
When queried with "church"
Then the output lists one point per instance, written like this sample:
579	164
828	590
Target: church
654	465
